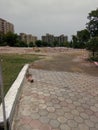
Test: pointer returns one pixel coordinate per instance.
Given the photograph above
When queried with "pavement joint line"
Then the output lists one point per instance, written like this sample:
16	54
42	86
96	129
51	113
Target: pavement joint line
64	104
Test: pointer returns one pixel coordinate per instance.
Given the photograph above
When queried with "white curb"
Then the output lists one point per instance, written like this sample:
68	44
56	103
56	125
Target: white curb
12	95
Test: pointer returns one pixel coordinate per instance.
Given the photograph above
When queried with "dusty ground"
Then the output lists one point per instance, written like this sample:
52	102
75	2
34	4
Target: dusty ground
69	62
60	59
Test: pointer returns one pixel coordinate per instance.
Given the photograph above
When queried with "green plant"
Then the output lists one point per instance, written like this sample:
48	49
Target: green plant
11	66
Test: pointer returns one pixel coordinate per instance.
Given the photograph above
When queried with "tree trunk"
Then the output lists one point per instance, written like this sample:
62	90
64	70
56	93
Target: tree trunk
93	53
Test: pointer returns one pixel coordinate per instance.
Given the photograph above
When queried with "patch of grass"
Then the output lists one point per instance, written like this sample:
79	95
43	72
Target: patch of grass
94	58
91	59
11	66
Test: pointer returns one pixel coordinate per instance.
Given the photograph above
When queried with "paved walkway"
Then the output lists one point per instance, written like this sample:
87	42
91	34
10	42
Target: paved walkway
58	101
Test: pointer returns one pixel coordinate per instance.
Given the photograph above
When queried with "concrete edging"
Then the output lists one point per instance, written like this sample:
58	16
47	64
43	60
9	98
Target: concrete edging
12	96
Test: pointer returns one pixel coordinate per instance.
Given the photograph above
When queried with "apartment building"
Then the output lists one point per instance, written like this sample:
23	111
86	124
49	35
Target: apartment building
27	38
51	38
48	38
6	26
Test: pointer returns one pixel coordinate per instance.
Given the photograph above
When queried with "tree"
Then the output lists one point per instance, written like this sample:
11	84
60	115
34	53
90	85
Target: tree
80	39
92	25
92	45
31	44
2	39
11	39
83	36
55	44
38	43
22	44
74	41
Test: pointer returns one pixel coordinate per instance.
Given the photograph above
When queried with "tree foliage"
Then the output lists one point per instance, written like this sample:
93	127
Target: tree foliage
83	36
74	41
11	39
79	40
31	44
92	45
38	43
2	39
92	25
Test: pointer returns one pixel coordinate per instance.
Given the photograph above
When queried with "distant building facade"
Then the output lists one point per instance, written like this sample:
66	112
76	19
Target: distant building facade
51	38
27	38
6	26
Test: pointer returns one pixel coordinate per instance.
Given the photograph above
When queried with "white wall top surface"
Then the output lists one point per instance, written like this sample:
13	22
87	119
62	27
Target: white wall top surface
12	93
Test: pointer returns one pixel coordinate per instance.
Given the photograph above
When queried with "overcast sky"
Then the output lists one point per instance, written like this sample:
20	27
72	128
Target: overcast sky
39	17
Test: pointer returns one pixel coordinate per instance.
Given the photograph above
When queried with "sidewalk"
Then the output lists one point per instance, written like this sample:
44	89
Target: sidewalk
58	101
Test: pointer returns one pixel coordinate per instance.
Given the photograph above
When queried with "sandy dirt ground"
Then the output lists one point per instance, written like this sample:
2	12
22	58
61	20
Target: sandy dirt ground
58	59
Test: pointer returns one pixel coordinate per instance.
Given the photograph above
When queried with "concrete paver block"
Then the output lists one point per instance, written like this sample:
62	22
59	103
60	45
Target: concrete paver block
58	101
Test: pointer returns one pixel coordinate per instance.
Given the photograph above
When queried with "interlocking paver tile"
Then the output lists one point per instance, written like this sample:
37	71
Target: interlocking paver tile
44	119
25	127
72	123
78	119
62	119
84	115
89	123
93	129
75	112
52	116
58	101
54	123
83	127
65	127
35	116
50	109
94	118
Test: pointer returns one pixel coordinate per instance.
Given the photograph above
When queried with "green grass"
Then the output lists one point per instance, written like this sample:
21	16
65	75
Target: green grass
94	58
11	66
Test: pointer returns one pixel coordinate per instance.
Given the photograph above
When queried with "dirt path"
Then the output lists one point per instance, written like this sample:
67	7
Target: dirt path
69	62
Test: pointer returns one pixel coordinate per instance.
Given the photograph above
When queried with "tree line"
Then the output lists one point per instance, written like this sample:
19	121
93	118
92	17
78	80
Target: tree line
14	40
11	39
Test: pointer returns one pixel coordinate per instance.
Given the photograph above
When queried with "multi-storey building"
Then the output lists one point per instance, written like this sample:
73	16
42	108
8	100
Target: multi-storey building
51	38
62	39
6	27
27	38
48	38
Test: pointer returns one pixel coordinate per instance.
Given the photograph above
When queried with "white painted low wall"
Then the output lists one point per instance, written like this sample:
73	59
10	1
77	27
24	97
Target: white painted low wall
12	95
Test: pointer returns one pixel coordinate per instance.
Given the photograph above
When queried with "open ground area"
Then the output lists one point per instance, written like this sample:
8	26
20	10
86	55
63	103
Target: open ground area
60	59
